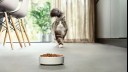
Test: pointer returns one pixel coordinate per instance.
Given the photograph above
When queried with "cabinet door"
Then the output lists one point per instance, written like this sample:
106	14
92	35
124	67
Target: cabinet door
103	19
114	18
123	19
118	18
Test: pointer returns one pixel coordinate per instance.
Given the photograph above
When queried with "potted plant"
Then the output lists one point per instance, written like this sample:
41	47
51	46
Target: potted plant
41	18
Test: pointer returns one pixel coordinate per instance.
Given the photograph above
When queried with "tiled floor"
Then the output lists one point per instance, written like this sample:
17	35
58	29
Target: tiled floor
78	58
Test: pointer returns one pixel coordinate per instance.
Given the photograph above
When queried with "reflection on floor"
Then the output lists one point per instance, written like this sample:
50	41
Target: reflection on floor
79	57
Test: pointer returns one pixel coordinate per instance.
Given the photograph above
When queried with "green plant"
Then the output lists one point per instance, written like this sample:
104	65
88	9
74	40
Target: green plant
41	17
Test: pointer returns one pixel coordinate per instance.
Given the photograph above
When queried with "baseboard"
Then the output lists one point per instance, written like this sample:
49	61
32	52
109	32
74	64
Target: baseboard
121	42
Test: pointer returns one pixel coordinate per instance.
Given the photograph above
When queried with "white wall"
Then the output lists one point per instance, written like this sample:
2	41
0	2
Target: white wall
112	18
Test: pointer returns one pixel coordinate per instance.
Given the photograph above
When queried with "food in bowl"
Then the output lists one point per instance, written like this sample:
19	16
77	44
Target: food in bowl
51	55
51	59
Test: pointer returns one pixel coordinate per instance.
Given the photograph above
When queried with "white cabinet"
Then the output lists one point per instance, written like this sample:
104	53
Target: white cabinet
103	18
123	18
112	18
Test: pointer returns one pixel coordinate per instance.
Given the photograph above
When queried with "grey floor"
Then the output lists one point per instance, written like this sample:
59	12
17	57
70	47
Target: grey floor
79	57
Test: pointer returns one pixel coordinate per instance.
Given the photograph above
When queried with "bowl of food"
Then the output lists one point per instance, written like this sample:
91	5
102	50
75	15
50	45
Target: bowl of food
51	59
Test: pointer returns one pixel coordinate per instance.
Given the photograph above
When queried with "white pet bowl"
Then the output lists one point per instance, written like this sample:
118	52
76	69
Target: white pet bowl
51	60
